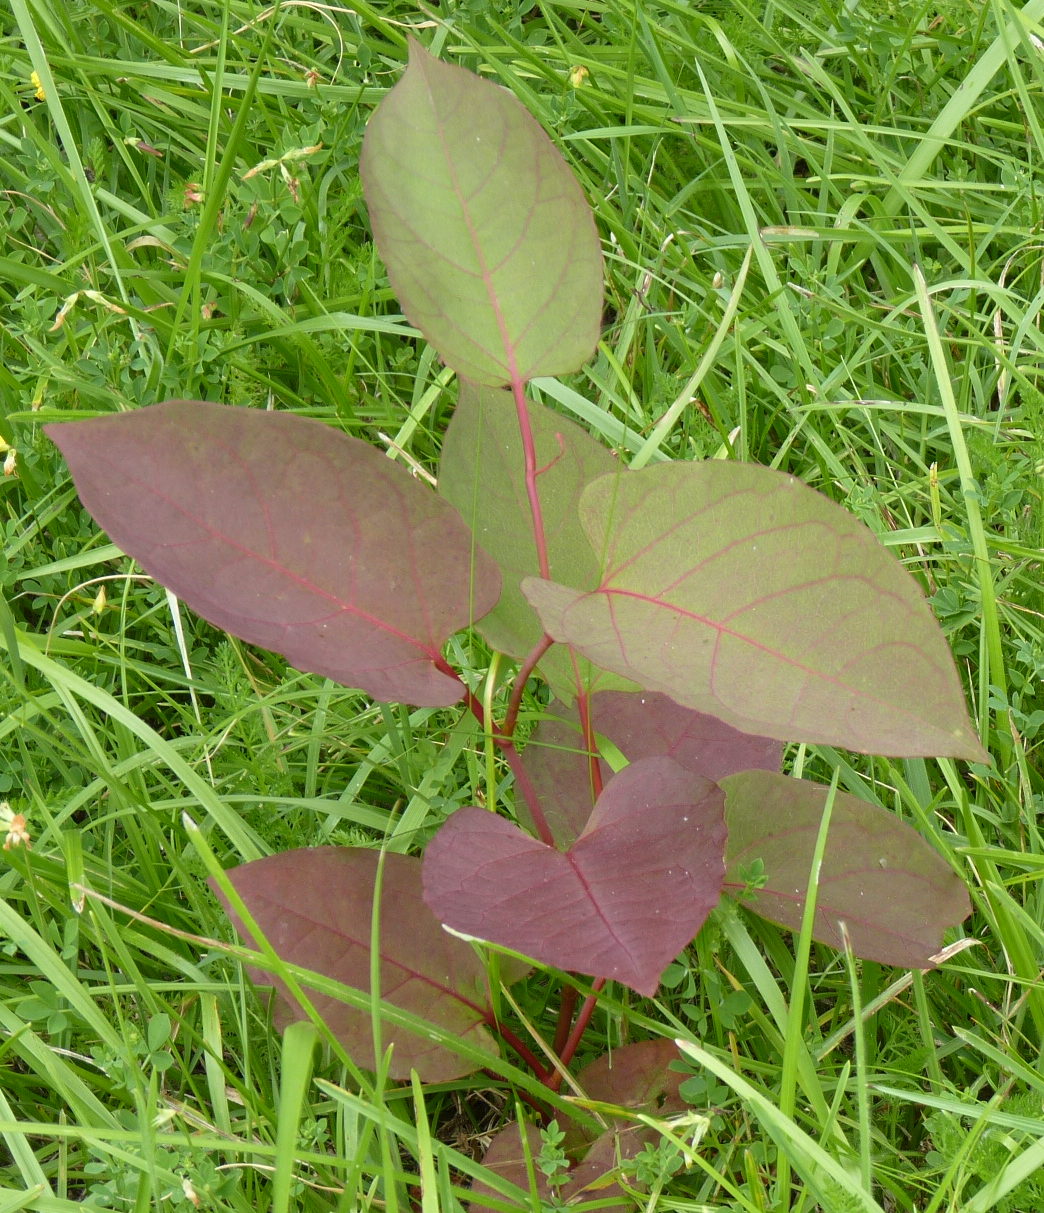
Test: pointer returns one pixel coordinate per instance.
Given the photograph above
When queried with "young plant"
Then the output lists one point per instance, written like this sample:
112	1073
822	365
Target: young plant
689	617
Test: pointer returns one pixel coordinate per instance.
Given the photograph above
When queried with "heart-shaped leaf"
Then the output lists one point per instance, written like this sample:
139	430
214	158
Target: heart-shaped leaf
644	725
621	903
482	473
740	592
290	535
490	245
894	893
315	908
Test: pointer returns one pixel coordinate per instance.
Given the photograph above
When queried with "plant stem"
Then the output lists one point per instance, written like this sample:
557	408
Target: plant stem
521	678
583	706
565	1018
572	1043
513	759
540	1071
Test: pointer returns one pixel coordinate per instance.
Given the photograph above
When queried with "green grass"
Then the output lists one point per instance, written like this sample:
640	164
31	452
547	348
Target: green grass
822	226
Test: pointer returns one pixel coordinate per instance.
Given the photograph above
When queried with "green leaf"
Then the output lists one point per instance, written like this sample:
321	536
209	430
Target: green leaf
489	242
741	592
482	473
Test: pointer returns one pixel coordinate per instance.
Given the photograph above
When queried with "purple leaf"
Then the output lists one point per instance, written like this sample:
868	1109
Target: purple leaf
649	725
635	1077
489	242
482	473
315	908
740	592
506	1157
290	535
621	903
643	725
894	893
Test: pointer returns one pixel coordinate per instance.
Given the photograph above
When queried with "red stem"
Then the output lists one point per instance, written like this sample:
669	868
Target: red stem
568	1050
503	738
528	1056
521	678
513	759
565	1018
583	707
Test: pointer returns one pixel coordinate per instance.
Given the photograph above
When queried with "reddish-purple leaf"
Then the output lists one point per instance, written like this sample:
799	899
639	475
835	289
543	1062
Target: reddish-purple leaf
621	903
649	725
490	244
290	535
644	725
506	1157
894	892
315	907
482	472
636	1078
590	1179
740	592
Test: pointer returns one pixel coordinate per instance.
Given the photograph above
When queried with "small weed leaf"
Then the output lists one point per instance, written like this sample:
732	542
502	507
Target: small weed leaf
489	241
291	535
621	903
879	877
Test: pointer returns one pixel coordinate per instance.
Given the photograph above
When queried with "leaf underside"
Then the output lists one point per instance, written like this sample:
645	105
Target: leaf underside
894	892
621	903
315	907
741	592
489	242
290	535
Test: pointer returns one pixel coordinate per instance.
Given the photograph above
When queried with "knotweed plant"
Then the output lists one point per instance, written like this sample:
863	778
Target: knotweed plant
686	618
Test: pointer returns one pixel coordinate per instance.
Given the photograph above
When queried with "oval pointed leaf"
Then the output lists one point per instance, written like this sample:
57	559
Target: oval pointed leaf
290	535
621	903
895	894
741	592
490	244
482	473
315	907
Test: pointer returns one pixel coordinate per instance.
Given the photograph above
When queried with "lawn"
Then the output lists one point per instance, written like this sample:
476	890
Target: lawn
822	232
